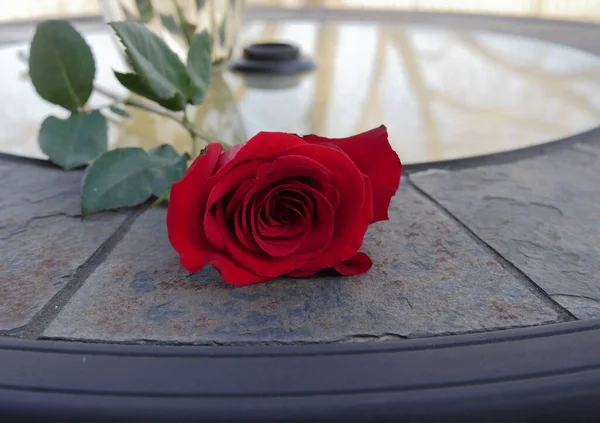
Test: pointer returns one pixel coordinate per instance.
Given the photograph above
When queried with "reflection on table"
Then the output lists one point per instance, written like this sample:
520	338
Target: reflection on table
443	94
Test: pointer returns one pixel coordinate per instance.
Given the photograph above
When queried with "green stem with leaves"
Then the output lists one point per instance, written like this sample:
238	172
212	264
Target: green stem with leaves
136	174
195	133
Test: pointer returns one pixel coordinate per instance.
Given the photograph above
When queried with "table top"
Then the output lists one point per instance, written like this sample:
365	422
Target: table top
479	246
443	93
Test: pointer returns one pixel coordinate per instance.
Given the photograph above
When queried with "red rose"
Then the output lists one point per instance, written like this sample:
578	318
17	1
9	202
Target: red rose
281	204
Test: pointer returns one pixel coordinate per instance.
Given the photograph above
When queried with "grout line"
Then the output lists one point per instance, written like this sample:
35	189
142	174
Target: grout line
565	314
38	324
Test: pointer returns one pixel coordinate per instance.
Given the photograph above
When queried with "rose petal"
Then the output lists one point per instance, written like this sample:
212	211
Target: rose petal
263	200
214	226
316	237
194	260
264	146
332	194
374	156
354	242
238	197
321	229
268	227
356	265
268	230
186	207
231	272
228	154
282	247
258	263
253	260
242	228
282	232
229	182
294	166
355	211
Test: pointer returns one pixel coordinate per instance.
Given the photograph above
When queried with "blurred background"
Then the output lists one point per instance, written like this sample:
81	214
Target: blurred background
588	10
453	86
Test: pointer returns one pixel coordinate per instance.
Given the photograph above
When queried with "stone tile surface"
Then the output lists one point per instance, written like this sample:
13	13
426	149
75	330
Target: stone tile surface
429	278
42	241
542	214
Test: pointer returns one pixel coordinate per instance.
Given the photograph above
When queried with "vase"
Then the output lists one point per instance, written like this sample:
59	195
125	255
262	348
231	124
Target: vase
218	115
176	22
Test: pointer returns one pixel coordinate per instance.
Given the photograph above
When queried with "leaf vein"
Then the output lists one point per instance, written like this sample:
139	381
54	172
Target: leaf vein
63	73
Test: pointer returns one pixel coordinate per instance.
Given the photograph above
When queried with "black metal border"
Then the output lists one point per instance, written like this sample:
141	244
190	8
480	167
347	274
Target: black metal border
548	373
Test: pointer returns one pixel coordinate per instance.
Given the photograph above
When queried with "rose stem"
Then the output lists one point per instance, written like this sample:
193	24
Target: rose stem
194	131
186	122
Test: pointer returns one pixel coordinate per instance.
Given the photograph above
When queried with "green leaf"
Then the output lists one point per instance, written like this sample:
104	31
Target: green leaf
127	177
61	65
160	73
119	111
132	82
168	168
145	10
199	65
75	141
164	151
200	4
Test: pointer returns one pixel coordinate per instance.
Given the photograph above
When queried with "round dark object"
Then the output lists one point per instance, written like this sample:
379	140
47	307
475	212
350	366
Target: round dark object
272	58
277	52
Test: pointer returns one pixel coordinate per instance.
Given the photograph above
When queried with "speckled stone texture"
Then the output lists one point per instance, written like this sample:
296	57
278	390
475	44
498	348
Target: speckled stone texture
429	278
542	214
42	239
